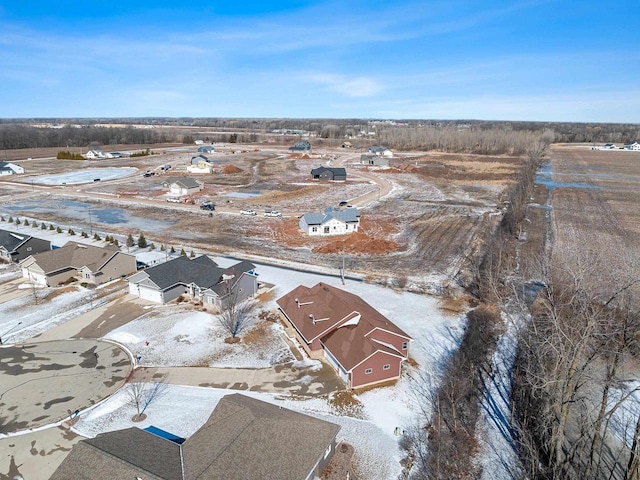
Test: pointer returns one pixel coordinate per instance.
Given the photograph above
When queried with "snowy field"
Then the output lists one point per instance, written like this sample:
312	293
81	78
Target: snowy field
178	336
87	175
40	317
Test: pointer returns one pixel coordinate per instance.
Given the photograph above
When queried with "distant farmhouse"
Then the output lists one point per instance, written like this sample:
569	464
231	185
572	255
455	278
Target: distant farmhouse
200	277
362	345
301	146
17	246
381	151
331	222
94	155
634	146
325	173
10	168
243	439
372	160
90	264
183	185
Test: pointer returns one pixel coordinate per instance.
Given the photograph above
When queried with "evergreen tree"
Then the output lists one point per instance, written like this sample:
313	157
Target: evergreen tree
192	254
84	235
173	250
129	241
71	232
142	242
59	230
96	236
43	226
51	227
162	249
10	219
152	247
182	252
115	242
18	222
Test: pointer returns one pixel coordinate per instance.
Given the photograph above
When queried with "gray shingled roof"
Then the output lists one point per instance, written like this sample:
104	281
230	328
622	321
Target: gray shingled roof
250	439
128	453
11	240
75	255
348	215
202	271
184	182
337	171
244	439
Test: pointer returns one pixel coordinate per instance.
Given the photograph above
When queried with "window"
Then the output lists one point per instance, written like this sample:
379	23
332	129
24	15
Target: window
87	275
386	367
405	345
314	229
368	371
326	229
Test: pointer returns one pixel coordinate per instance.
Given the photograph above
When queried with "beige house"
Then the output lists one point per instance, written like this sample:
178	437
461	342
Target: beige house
87	263
183	186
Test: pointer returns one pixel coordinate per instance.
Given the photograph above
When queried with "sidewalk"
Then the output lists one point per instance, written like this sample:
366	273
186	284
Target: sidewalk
301	381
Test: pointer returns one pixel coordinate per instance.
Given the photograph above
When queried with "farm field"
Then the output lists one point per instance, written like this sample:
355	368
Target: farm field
596	210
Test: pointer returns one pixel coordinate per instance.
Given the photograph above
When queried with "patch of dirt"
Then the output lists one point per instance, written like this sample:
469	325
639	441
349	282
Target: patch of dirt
230	169
58	292
345	403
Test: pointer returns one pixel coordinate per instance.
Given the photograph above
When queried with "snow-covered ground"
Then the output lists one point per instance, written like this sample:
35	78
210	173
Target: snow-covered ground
87	175
177	336
39	317
187	337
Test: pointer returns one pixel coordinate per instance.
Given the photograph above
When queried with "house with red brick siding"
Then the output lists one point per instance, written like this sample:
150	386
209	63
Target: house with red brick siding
362	345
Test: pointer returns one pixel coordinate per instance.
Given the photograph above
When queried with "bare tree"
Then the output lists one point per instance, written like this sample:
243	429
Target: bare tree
143	394
236	312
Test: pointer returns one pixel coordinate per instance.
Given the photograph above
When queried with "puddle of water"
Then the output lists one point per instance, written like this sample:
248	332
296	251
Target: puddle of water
545	177
242	194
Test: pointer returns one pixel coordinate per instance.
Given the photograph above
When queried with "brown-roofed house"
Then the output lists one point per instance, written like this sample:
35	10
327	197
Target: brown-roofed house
244	439
362	344
88	263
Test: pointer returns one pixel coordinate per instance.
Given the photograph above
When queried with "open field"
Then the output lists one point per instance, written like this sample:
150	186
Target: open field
426	210
594	195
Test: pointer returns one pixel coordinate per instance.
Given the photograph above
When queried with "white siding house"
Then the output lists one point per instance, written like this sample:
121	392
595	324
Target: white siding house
331	222
634	146
10	168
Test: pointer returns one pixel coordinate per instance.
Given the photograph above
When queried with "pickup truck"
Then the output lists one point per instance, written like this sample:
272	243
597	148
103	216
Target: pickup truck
208	206
247	211
174	200
272	213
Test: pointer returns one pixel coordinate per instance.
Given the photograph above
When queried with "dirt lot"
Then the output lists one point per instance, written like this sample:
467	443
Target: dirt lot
596	209
437	205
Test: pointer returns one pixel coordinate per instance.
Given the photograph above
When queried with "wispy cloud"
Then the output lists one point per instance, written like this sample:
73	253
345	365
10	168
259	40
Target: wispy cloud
351	86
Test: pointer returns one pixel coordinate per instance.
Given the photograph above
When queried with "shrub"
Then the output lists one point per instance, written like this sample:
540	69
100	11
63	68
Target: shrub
142	242
96	236
51	227
59	230
10	219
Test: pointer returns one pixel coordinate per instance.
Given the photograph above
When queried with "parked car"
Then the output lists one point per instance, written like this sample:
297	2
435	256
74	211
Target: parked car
247	211
343	204
272	213
207	206
174	200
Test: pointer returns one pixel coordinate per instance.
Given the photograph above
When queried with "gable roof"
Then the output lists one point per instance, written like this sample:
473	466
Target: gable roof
128	453
250	439
202	271
320	311
348	215
184	182
12	240
336	171
76	255
244	438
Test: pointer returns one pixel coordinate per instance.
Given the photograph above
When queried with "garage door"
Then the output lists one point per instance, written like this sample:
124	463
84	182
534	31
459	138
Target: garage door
151	295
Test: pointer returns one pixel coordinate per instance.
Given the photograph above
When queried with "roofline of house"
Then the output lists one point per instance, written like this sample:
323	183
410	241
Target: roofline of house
401	357
388	331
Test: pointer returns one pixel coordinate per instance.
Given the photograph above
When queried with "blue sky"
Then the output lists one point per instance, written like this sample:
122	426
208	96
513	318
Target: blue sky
544	60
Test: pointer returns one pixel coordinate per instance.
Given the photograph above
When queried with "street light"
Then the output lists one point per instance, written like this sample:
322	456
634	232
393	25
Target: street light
5	333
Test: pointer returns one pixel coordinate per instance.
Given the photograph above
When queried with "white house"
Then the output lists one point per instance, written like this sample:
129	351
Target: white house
202	167
635	146
382	151
10	168
183	185
331	222
94	155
